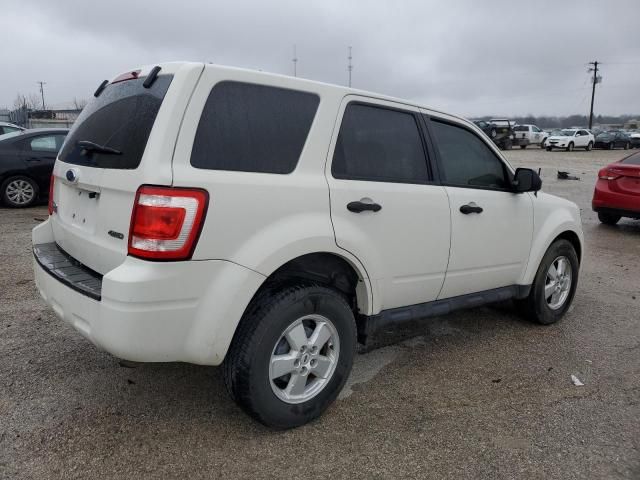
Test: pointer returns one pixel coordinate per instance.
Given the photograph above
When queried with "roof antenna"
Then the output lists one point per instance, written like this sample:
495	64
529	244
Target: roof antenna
349	67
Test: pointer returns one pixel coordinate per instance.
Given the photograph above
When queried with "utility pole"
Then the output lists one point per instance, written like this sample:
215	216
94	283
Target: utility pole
349	67
42	91
596	79
295	62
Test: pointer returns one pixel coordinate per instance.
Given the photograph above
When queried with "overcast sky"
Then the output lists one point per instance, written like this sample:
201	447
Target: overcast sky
467	57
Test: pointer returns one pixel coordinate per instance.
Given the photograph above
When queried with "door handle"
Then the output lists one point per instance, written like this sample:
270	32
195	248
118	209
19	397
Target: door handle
470	207
358	207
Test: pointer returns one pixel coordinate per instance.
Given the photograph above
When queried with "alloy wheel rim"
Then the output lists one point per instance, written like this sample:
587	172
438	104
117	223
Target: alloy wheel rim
558	283
20	192
304	359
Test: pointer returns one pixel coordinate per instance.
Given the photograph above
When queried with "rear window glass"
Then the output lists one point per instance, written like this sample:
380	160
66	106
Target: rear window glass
632	160
253	128
521	128
120	118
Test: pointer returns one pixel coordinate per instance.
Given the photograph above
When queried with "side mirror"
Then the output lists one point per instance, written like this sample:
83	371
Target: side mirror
526	180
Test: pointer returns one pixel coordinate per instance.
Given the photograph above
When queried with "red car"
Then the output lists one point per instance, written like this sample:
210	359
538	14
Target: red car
617	192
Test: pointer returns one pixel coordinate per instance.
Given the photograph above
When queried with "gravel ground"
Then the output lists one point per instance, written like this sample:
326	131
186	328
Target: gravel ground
476	394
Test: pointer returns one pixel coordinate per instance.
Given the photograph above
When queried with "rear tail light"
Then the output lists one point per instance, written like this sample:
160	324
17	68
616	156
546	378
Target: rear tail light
606	174
51	182
166	222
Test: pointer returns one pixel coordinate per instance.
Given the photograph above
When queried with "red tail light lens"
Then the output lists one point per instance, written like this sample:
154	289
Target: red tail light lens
51	182
606	174
166	222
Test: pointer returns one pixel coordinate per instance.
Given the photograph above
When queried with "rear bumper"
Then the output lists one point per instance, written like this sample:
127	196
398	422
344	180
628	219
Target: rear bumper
605	200
155	312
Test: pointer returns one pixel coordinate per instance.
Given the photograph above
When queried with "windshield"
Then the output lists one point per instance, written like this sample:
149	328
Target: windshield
113	129
10	135
567	133
605	134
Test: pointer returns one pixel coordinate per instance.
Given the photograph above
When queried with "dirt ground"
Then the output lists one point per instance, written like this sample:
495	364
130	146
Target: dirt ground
476	394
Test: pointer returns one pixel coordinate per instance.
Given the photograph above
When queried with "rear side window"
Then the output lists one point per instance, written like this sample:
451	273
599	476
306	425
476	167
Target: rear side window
379	145
253	128
521	128
121	118
466	161
48	143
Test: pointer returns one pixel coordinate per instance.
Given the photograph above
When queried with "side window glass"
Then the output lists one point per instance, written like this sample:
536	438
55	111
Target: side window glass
43	144
467	161
379	144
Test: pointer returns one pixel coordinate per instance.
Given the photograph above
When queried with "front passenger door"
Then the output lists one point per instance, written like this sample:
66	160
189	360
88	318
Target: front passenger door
491	227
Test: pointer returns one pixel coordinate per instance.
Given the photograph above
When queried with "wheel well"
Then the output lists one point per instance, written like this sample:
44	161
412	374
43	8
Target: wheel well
324	268
574	240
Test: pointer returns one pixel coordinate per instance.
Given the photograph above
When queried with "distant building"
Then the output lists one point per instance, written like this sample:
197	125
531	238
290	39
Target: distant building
628	125
58	118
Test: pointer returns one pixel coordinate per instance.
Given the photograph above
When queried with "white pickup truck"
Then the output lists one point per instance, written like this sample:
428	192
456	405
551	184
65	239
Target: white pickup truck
532	133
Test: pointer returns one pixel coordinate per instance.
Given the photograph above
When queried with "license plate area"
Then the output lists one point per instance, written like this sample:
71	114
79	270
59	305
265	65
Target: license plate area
78	207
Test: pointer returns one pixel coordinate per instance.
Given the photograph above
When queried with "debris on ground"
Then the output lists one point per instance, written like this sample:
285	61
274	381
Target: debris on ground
576	381
566	176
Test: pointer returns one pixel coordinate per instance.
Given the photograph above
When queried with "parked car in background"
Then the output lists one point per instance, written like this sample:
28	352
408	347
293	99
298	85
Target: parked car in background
26	164
613	139
634	138
532	133
500	130
570	138
9	128
310	185
617	191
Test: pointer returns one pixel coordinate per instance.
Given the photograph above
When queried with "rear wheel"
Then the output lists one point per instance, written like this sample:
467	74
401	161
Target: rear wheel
19	191
611	145
570	147
589	146
291	355
523	147
542	144
608	218
554	285
626	146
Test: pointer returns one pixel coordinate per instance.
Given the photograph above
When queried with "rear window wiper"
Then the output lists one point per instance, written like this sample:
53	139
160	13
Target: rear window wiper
94	147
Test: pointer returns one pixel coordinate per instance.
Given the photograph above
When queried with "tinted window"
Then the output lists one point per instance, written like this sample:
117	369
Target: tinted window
253	128
466	160
380	145
120	118
46	143
632	160
521	128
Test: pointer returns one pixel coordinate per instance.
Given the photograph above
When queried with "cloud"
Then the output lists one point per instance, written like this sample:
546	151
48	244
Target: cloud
467	57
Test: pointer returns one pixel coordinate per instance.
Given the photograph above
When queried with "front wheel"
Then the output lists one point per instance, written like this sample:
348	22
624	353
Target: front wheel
554	285
570	147
291	355
523	147
611	145
626	146
589	146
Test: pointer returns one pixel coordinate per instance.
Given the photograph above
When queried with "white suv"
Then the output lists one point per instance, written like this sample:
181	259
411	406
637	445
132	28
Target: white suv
267	223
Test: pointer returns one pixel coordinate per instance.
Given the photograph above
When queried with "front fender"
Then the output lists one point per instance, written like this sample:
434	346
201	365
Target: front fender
551	219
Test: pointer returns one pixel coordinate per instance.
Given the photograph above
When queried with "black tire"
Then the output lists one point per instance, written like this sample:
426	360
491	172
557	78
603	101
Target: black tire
506	145
549	149
5	195
542	144
570	147
589	146
608	218
535	307
523	147
611	146
246	366
626	146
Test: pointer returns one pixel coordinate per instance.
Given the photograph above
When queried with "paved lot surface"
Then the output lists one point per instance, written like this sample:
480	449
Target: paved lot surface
477	394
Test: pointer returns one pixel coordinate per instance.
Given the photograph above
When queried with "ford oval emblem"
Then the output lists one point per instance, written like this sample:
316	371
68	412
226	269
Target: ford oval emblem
72	175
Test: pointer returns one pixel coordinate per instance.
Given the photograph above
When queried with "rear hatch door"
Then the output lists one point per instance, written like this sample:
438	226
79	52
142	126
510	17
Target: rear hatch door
123	138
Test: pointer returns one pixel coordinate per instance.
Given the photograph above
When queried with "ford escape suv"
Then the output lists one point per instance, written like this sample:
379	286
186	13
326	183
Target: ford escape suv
267	224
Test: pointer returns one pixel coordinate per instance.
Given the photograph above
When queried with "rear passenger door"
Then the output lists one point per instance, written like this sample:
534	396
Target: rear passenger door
489	247
39	152
385	207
